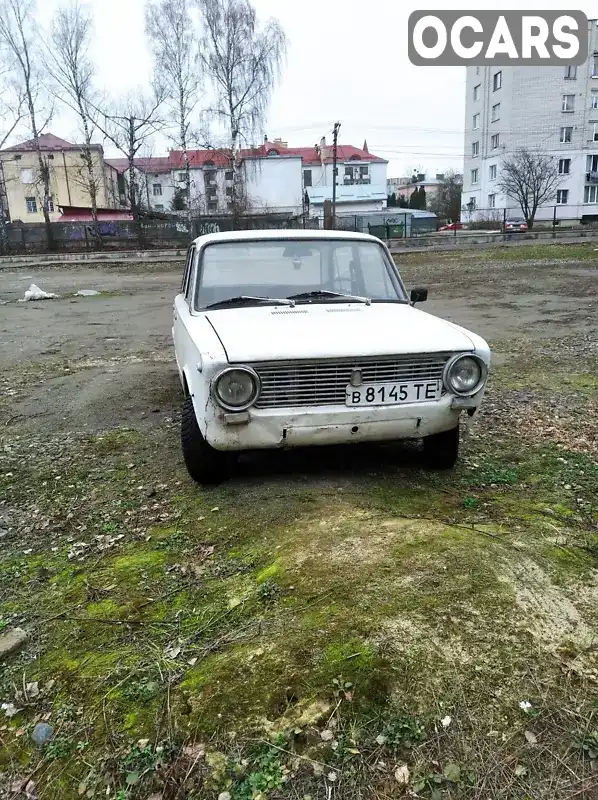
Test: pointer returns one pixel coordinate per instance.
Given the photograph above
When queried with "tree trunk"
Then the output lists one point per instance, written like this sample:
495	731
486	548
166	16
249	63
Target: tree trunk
183	134
92	185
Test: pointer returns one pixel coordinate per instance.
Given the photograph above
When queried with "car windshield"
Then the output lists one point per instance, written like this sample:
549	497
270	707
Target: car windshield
307	270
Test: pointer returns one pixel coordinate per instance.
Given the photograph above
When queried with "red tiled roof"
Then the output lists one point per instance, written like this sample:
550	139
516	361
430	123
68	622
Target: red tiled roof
48	142
221	158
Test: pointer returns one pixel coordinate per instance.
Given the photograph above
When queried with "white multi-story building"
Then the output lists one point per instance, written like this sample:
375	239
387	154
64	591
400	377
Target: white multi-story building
276	178
553	110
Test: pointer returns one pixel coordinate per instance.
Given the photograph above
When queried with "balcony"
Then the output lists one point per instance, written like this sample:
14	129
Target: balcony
592	177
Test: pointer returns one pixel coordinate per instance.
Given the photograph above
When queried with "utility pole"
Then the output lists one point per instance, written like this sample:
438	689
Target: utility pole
335	131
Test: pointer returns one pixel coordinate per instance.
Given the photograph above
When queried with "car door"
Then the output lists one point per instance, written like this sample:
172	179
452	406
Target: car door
181	308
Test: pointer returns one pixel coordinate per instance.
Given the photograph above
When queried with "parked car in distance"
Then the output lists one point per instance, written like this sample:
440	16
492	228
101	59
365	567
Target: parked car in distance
515	224
452	226
291	338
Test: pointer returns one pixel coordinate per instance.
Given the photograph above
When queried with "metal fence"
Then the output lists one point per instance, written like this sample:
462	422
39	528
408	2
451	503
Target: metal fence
134	235
554	220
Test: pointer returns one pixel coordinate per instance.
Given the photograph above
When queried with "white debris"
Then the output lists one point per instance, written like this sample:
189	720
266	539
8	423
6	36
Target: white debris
525	705
402	775
35	293
86	293
9	709
327	736
446	721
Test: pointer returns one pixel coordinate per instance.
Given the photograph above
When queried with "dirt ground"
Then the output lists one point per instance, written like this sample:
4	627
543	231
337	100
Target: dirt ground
346	626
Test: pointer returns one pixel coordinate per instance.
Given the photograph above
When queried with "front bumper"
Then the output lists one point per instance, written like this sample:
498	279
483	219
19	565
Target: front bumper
316	425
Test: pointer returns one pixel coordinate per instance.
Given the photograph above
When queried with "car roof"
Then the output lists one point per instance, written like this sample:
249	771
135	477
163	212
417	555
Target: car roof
282	233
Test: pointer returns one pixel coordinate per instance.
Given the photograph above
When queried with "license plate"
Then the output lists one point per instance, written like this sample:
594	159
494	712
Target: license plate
392	394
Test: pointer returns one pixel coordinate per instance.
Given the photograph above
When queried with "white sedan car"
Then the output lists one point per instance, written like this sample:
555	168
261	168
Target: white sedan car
288	338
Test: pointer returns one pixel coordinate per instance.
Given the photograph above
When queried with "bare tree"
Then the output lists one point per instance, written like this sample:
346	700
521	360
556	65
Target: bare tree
19	48
12	112
72	70
130	125
169	28
242	61
531	179
446	202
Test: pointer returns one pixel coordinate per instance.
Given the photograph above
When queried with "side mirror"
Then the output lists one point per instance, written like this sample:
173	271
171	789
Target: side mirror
418	295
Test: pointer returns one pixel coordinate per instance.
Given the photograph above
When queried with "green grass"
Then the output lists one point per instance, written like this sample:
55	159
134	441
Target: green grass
534	251
263	636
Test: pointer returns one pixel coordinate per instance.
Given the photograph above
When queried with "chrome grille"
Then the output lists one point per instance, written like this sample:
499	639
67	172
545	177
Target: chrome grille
323	383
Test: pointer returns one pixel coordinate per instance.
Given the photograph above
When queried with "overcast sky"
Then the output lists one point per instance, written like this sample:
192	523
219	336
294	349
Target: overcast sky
347	61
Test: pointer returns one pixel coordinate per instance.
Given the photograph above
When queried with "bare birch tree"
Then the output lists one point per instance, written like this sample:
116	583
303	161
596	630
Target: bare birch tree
172	39
531	178
68	61
19	47
12	112
242	60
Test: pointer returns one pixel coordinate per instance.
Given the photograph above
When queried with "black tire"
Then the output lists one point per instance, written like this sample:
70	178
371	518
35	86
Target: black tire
204	464
441	450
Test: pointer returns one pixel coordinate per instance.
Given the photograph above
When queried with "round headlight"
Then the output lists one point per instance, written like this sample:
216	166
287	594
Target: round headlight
235	389
465	375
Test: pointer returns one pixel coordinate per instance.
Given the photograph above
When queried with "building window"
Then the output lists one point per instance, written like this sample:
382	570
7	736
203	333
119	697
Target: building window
491	201
495	141
596	132
159	207
229	175
210	178
476	121
50	157
562	196
476	91
497	81
212	206
475	149
568	102
26	176
594	98
307	177
570	73
590	194
564	166
229	191
492	172
18	157
31	203
474	175
157	189
51	205
592	167
472	205
595	69
364	174
566	135
495	112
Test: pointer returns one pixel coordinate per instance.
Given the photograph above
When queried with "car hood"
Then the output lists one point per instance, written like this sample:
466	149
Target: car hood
339	330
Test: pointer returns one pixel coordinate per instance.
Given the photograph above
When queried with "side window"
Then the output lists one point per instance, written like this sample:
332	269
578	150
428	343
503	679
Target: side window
186	285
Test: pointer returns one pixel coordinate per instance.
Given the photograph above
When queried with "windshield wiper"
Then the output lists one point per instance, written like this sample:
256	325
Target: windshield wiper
324	293
247	298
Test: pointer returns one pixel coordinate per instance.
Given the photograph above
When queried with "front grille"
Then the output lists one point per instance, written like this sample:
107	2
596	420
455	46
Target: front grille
324	383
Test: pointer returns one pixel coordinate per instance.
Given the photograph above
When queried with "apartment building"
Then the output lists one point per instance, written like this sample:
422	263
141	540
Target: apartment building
22	187
553	110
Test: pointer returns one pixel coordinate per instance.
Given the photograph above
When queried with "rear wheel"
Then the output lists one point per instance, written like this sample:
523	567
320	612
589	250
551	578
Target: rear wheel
441	450
204	464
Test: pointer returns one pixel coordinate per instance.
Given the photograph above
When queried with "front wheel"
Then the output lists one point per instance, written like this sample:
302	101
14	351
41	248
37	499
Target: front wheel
441	450
204	464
